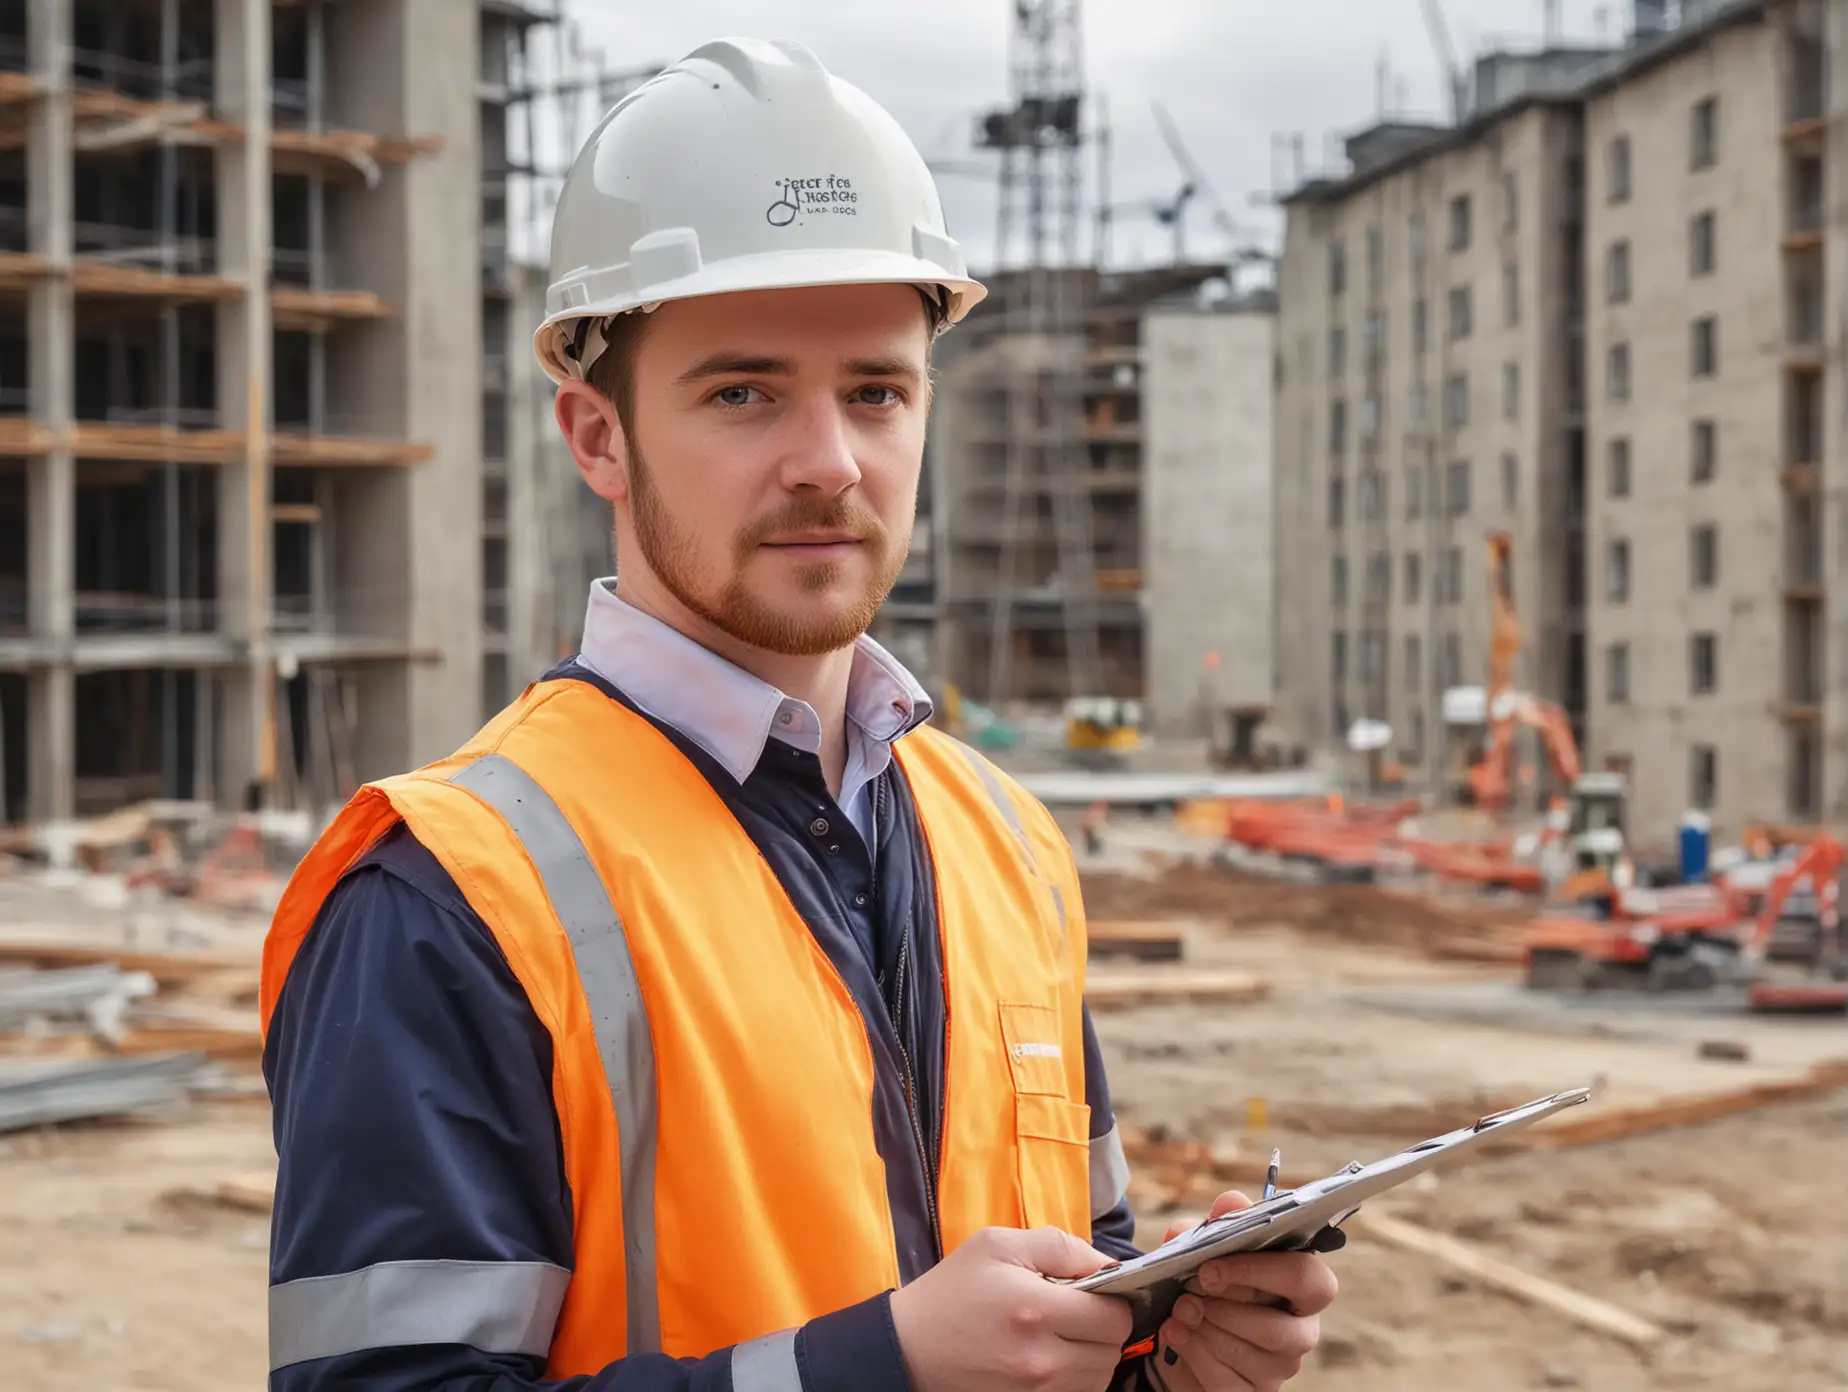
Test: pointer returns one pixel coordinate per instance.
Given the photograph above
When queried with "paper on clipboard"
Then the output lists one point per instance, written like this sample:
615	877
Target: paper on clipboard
1292	1219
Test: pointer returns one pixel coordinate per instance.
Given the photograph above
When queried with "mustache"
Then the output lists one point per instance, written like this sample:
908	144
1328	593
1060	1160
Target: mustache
804	514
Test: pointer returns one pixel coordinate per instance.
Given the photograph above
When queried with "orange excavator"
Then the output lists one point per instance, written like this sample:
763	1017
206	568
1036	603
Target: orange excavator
1505	707
1807	931
1697	937
1584	851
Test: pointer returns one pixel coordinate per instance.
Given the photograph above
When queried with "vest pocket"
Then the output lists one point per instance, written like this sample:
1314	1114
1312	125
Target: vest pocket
1054	1141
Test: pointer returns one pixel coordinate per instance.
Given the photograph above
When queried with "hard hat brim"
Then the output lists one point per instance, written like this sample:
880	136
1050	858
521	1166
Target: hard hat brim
771	270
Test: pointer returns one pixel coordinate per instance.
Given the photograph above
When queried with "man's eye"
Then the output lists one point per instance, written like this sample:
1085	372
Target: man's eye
734	396
878	396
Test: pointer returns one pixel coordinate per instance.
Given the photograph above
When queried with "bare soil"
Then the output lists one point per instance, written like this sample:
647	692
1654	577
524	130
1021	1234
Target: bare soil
1732	1235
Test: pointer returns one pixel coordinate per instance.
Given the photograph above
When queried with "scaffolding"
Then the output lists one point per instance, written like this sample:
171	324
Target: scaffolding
1041	140
174	443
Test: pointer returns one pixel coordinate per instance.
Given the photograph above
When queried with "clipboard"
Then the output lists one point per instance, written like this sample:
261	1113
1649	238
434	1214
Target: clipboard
1294	1219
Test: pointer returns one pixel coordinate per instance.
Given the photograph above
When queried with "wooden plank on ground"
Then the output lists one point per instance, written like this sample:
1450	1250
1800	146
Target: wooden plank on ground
1115	987
255	1192
1464	948
247	1193
1676	1111
1582	1309
1144	942
167	968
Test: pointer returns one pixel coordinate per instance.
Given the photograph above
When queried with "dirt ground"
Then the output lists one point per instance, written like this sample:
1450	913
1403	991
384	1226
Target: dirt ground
1732	1235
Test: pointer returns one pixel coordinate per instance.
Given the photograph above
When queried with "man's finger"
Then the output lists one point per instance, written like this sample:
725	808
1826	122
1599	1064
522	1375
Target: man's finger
1229	1202
1052	1252
1259	1366
1302	1278
1288	1336
1080	1317
1196	1368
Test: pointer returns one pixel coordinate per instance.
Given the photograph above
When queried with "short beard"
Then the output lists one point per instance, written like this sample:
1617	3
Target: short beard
738	612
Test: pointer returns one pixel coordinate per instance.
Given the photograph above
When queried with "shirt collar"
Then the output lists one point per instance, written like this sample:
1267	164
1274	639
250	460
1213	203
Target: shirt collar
723	708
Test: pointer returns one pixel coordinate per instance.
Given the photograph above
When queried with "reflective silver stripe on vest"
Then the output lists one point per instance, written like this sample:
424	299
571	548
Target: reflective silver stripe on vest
497	1307
1109	1173
618	1013
767	1364
1010	812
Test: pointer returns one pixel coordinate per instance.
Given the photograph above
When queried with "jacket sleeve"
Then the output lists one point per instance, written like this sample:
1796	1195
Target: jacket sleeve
422	1235
1113	1225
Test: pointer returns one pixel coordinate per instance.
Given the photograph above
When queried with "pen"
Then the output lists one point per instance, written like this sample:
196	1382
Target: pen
1270	1175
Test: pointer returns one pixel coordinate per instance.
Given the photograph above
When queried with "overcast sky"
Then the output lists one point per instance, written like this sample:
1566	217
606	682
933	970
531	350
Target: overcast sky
1232	72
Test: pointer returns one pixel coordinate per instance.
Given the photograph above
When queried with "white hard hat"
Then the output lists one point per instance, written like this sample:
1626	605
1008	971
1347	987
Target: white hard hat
744	166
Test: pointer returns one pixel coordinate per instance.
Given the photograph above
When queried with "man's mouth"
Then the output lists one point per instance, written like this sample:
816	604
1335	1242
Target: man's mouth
815	543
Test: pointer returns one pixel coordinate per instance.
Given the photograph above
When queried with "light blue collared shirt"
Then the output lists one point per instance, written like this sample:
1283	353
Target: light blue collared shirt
731	714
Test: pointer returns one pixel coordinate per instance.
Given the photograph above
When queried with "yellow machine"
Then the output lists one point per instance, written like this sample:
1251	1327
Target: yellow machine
1103	722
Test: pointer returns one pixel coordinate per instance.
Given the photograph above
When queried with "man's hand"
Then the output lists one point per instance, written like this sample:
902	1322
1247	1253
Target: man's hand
1232	1339
985	1319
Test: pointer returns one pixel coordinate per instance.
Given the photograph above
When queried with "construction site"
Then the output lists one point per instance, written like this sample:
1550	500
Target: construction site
1329	913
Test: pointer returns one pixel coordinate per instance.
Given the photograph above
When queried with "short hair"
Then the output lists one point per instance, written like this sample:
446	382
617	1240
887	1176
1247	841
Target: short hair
613	373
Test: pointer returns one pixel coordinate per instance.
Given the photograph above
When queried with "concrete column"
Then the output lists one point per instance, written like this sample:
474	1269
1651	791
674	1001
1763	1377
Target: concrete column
50	740
442	332
246	714
1834	799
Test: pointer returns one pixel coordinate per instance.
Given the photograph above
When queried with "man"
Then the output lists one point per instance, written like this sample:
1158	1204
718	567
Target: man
709	1021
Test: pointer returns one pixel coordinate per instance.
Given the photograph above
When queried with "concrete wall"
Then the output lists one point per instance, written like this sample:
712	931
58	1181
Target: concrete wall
1663	718
1206	514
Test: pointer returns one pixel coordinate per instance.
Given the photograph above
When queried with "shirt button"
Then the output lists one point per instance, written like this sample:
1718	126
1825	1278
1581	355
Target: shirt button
819	827
834	849
785	718
859	900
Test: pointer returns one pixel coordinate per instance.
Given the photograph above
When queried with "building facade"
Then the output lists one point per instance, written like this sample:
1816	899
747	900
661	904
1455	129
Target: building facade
1424	404
261	487
1615	271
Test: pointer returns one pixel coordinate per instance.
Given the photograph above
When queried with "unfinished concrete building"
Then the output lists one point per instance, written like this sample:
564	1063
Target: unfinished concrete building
1206	365
1593	313
247	250
956	591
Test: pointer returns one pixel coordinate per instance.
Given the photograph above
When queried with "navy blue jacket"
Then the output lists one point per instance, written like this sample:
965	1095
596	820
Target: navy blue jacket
412	1085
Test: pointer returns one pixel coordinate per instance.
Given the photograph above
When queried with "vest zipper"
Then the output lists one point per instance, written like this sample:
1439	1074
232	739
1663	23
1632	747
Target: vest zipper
899	998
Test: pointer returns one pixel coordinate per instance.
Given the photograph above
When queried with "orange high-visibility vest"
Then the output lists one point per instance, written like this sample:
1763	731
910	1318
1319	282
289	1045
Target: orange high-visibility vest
712	1075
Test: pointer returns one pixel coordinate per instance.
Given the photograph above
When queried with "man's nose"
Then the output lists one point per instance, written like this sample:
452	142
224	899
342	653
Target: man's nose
819	451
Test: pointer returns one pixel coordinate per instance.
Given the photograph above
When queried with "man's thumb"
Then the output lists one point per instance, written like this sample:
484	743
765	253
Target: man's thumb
1053	1252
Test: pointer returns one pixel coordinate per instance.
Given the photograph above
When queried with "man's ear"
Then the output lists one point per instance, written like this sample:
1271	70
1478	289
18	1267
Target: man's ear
588	422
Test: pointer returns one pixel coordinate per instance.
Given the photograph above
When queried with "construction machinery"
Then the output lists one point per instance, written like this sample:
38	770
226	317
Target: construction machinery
1680	938
1103	722
1697	937
1799	923
1583	850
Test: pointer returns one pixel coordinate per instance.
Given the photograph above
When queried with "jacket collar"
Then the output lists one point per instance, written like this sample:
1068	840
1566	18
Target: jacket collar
723	708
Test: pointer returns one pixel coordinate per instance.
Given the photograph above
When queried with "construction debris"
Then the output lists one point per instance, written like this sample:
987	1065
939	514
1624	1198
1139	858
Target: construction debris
1623	1122
96	996
42	1094
1145	942
1113	988
166	968
1498	1275
247	1193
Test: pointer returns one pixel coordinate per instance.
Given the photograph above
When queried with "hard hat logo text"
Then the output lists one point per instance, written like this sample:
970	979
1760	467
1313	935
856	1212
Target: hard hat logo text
800	197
